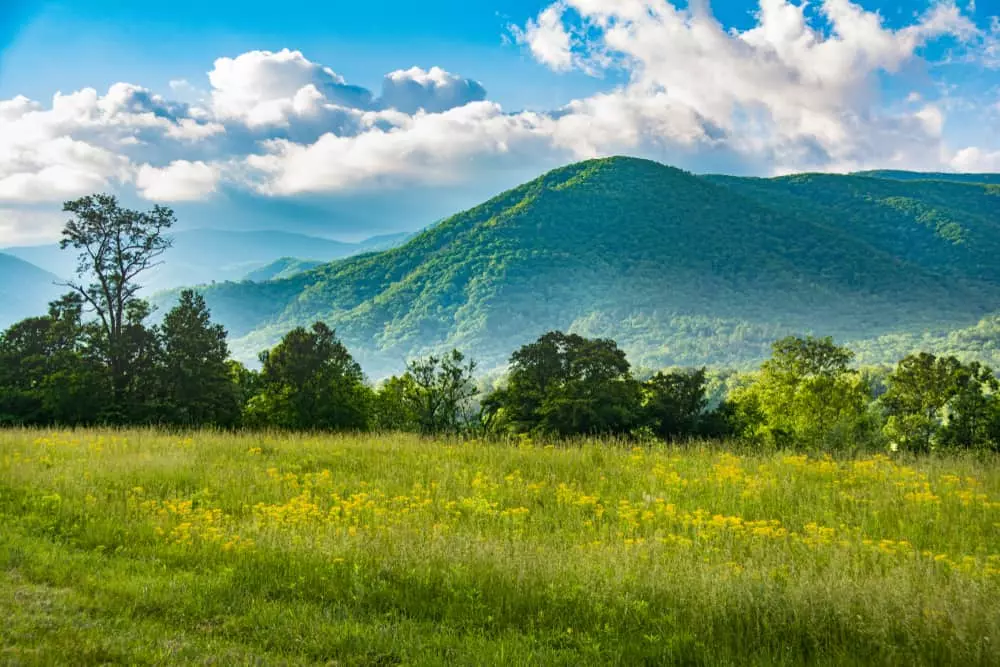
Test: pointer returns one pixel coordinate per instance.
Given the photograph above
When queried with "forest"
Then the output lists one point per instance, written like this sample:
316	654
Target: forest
680	269
96	359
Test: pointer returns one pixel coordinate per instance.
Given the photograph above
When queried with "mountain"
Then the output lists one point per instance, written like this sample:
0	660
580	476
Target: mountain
945	227
989	179
23	287
681	269
286	267
202	256
384	242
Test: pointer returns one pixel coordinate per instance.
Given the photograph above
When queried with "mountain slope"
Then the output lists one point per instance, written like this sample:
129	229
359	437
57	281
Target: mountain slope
944	227
679	268
286	267
989	179
25	289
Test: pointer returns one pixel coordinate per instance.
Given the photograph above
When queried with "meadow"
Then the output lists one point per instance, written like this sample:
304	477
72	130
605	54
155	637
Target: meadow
142	547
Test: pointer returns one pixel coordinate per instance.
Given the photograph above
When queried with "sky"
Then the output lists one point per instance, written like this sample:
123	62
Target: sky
347	119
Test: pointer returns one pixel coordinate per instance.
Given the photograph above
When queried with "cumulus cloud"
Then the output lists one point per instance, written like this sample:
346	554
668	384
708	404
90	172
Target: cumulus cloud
433	90
43	168
178	181
548	39
430	148
27	225
974	159
797	90
265	88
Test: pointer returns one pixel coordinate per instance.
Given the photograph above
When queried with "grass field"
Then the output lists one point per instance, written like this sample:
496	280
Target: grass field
143	548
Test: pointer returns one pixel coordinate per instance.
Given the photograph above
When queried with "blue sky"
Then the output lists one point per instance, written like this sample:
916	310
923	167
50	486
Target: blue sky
72	44
69	45
759	87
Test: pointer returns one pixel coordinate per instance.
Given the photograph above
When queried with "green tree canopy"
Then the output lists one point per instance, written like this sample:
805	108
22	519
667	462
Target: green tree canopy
935	402
566	384
433	396
309	381
198	384
806	395
116	245
47	372
675	403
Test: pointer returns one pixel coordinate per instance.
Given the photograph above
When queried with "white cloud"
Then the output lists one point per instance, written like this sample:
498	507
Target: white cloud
933	120
430	148
178	181
548	39
55	168
264	88
796	91
990	56
433	90
783	92
974	160
30	226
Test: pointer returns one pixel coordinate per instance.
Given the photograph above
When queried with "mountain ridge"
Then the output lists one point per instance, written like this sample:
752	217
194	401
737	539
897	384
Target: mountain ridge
201	256
671	263
23	286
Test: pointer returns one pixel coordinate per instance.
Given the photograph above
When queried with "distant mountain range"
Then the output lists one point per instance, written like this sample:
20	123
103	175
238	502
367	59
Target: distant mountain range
25	290
681	269
203	256
286	267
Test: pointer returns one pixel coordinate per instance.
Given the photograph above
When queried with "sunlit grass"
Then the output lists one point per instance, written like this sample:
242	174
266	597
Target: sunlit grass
140	547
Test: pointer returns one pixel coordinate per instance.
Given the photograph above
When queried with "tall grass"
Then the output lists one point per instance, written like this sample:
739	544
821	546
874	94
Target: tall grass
145	548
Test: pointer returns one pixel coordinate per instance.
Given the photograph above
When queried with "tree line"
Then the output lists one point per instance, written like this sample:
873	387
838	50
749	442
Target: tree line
95	359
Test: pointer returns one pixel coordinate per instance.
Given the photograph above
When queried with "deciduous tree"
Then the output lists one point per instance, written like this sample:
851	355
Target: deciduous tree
116	246
309	381
565	384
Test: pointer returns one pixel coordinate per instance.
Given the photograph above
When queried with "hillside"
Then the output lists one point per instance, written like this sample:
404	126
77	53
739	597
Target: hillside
989	179
680	269
23	288
945	227
286	267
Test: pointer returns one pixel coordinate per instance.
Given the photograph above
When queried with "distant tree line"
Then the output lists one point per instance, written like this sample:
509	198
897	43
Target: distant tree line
94	359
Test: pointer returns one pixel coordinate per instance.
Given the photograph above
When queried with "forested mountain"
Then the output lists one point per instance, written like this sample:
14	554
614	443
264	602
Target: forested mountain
24	289
990	179
207	255
945	227
680	269
286	267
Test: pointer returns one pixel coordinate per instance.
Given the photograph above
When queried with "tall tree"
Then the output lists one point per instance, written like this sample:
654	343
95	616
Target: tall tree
936	402
47	372
973	410
439	390
806	395
675	403
310	381
919	389
197	382
116	245
140	398
566	384
393	409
